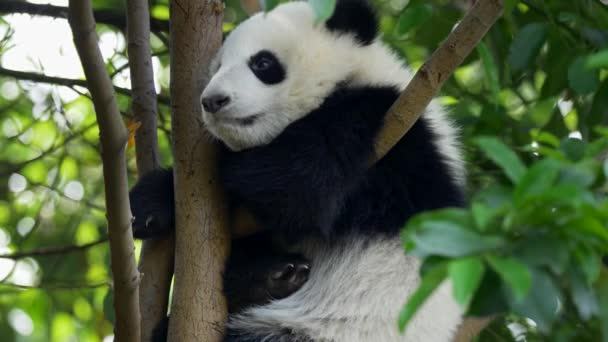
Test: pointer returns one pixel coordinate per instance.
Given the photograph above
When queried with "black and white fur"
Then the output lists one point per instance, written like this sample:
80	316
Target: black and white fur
297	106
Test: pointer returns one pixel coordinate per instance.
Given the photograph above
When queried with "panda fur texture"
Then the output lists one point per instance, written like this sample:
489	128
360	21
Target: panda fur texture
297	106
300	105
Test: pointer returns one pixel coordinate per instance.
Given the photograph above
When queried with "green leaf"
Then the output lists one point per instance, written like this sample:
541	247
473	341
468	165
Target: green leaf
581	79
491	70
583	296
582	174
544	251
482	214
542	302
599	108
466	275
429	282
526	46
413	16
543	110
589	263
503	156
323	9
514	273
445	238
597	60
539	178
488	300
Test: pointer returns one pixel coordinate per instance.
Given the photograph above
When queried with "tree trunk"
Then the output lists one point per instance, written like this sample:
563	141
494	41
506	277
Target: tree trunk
202	239
156	258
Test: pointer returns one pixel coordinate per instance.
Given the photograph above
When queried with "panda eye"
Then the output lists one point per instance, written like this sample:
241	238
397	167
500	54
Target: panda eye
262	63
266	67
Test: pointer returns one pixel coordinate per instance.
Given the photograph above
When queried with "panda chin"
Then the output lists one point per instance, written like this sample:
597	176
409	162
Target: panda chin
243	122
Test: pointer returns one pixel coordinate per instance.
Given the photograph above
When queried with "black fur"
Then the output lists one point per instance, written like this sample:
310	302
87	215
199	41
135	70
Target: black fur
267	68
152	205
258	271
355	17
315	176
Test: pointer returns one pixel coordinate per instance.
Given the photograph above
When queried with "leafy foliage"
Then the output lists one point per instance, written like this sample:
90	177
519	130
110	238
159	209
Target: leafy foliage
533	105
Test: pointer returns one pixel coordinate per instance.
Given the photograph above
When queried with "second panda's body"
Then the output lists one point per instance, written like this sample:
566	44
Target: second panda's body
297	107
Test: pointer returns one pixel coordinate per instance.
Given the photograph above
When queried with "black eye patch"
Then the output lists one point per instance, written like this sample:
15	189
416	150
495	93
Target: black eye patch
266	67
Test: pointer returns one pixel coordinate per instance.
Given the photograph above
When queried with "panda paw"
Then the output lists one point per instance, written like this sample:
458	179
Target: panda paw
152	205
288	278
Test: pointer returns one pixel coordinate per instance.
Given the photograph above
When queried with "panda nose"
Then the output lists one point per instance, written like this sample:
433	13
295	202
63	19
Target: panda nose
214	103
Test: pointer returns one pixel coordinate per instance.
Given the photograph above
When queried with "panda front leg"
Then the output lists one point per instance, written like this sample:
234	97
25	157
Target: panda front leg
152	205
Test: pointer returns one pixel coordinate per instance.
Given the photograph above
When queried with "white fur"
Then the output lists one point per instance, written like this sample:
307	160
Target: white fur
355	291
356	288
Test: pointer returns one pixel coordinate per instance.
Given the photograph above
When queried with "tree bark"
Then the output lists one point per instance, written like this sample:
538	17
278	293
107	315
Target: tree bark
113	136
156	258
198	311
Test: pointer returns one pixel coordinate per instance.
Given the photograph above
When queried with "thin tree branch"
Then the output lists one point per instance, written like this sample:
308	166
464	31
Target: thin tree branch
156	258
431	76
52	251
108	17
68	82
53	287
198	309
113	138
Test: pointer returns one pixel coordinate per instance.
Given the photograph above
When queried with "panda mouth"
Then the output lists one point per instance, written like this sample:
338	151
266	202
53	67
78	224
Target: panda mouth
245	121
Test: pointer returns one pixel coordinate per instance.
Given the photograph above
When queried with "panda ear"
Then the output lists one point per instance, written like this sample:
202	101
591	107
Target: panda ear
355	17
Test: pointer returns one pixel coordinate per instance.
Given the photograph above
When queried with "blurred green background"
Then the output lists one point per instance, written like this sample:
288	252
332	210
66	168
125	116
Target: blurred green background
537	83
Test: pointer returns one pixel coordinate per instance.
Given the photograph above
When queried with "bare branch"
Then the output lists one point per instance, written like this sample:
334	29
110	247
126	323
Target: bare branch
53	287
68	82
198	311
156	258
53	250
107	17
113	137
431	76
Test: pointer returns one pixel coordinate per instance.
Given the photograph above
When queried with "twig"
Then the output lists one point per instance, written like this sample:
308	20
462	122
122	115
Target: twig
107	17
156	258
53	250
68	82
113	137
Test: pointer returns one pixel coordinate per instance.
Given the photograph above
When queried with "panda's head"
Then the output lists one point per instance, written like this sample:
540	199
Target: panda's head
276	67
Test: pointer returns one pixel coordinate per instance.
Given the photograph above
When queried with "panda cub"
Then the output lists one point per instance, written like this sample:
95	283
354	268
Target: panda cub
295	106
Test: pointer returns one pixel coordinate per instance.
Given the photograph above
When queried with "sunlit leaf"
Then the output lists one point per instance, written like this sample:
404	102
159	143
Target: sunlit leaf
597	60
466	275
